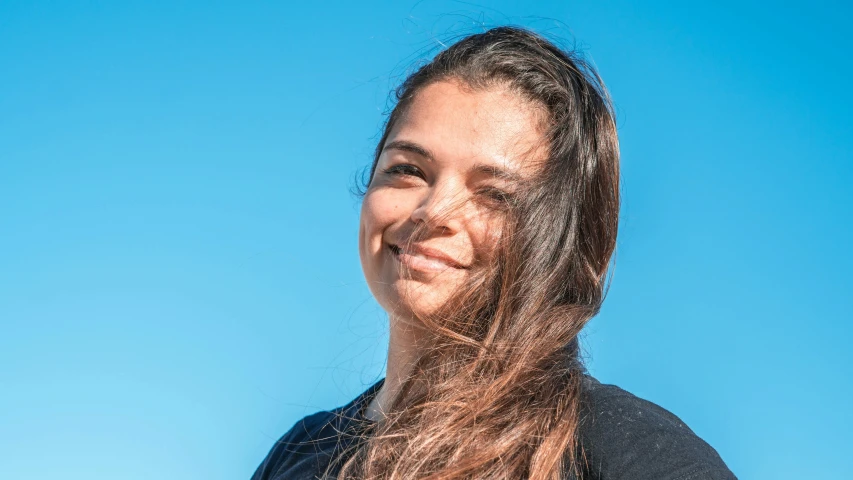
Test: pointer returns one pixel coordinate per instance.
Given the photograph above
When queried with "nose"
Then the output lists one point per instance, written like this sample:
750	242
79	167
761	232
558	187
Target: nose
441	207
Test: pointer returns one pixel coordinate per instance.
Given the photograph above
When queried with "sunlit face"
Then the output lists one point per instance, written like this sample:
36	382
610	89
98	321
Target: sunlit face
435	205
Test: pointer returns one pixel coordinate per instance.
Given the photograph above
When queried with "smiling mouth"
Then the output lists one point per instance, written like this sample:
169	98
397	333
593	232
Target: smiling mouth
424	260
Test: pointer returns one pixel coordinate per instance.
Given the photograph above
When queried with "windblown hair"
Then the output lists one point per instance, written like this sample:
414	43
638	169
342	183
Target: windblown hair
498	395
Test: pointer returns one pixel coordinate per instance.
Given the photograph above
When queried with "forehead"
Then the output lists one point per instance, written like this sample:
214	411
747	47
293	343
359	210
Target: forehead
464	126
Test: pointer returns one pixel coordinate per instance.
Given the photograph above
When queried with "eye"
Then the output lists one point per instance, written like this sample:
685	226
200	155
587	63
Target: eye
404	169
496	198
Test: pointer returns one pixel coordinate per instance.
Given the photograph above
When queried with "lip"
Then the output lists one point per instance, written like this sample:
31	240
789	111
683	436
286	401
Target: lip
419	257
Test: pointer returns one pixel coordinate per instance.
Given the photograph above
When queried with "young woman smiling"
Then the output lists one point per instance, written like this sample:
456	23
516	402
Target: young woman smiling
486	233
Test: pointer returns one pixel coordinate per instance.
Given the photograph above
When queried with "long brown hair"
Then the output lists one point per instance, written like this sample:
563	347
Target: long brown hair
498	396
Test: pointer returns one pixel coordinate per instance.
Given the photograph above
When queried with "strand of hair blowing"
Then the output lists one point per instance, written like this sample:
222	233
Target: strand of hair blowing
498	395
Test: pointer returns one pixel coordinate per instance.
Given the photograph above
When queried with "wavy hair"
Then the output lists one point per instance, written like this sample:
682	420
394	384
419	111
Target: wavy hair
499	394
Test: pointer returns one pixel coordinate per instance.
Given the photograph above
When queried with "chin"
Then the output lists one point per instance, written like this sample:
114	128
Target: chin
414	299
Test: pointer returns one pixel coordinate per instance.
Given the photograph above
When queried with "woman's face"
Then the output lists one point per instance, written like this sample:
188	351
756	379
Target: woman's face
434	208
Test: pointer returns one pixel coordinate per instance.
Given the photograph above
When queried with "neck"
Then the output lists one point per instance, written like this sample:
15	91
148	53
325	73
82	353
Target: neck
404	349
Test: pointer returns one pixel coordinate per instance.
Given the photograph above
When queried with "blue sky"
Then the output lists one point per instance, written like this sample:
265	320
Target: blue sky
179	280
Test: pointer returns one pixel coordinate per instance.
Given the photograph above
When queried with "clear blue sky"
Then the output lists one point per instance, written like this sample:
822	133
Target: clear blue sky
179	280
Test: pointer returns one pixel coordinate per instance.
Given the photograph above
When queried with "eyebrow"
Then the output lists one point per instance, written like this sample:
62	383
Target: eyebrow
407	146
489	170
497	172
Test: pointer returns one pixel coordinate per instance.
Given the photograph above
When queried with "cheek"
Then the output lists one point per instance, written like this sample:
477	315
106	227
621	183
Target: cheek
367	232
485	234
379	212
376	215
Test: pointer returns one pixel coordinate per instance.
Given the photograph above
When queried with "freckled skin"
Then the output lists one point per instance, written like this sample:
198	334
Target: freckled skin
443	196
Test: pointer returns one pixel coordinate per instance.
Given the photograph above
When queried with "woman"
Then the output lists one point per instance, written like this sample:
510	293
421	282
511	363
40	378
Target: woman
487	228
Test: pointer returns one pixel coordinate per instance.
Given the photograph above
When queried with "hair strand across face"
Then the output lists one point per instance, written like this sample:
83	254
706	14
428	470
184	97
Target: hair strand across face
498	394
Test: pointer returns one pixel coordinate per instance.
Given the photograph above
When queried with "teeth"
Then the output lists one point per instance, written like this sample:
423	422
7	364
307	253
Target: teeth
423	261
432	260
400	251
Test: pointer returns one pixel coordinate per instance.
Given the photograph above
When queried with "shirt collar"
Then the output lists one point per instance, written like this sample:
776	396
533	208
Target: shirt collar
352	414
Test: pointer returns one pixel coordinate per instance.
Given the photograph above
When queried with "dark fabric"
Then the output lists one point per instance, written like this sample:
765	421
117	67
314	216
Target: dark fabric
622	436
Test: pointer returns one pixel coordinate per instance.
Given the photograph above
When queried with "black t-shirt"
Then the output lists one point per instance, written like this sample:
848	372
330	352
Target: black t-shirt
623	437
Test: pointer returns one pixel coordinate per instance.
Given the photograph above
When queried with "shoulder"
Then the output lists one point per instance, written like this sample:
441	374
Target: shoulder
297	449
307	449
626	437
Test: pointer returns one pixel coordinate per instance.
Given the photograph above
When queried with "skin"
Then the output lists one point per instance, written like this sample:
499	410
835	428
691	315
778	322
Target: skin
434	207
